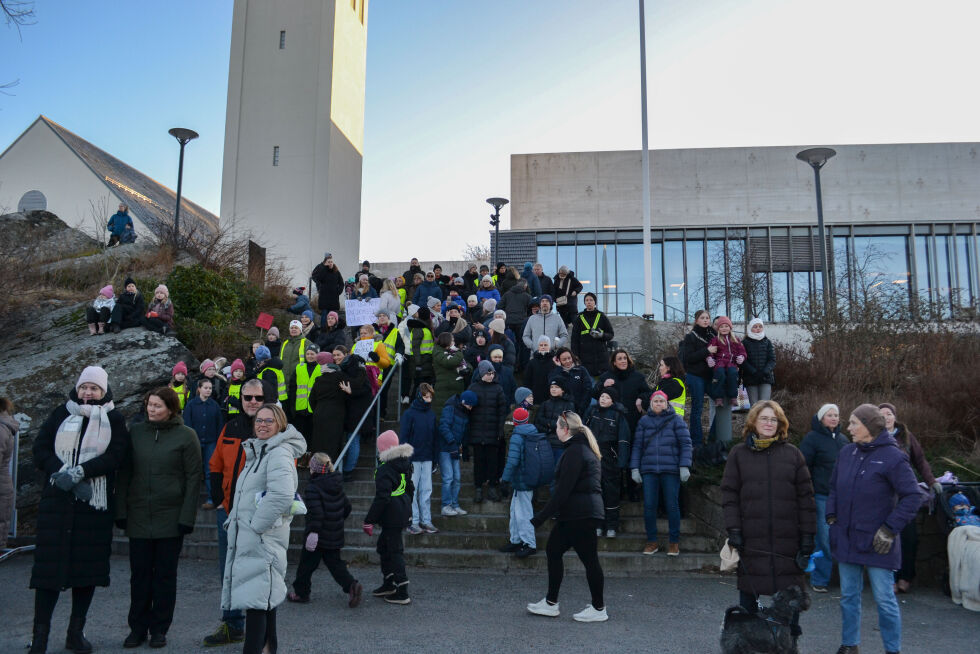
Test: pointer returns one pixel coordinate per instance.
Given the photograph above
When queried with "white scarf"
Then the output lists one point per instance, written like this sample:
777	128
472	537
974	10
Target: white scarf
755	336
89	445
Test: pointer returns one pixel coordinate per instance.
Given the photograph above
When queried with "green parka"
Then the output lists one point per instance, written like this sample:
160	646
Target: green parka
159	486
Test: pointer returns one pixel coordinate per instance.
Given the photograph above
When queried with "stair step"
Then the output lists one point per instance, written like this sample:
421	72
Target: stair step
615	563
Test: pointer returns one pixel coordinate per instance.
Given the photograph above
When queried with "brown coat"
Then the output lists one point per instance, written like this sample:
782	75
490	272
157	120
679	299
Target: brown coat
917	457
768	495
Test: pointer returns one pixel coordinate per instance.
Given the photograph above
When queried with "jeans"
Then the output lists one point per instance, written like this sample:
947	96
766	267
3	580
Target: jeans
823	566
235	618
207	449
422	500
352	455
521	512
670	485
724	383
695	390
889	617
759	392
451	478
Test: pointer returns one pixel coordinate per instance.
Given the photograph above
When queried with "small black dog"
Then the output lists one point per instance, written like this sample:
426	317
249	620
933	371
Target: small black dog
767	632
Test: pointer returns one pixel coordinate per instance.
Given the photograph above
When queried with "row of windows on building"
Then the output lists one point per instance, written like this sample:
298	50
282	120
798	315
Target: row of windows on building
775	272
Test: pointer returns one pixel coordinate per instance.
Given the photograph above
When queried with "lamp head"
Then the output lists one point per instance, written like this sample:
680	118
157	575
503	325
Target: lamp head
497	203
183	135
816	157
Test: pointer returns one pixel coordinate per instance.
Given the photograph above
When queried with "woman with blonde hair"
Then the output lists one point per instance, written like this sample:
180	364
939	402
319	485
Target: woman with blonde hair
391	300
768	507
576	502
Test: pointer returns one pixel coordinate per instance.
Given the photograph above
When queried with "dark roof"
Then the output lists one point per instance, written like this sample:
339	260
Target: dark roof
149	200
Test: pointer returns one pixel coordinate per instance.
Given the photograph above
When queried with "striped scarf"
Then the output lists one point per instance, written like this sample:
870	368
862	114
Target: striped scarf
75	448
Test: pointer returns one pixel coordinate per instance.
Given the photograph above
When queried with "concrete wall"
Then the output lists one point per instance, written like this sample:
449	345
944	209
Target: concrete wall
745	186
310	202
40	161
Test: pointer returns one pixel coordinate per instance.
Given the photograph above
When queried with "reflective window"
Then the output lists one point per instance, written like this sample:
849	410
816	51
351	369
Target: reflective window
657	254
780	297
944	278
606	277
923	273
881	269
739	281
548	258
695	276
585	270
566	257
842	269
966	272
801	295
674	274
716	283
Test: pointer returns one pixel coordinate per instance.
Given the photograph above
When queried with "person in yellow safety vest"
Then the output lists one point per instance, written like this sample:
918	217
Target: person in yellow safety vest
303	378
178	382
270	371
292	352
234	399
376	352
419	347
672	384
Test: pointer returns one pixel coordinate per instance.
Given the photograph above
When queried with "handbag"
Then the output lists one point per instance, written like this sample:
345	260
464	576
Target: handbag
729	557
561	300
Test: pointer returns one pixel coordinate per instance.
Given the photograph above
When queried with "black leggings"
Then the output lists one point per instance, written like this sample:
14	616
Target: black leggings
45	601
580	536
485	464
260	628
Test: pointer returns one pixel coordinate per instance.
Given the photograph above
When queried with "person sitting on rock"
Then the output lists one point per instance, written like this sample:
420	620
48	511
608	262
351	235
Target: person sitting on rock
100	311
160	314
129	308
120	227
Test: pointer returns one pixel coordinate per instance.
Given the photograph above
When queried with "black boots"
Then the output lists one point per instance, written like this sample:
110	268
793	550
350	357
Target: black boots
387	588
75	640
39	643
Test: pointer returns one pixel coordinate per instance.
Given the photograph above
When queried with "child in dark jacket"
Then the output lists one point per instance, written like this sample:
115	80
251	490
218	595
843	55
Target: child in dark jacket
203	415
418	429
522	539
725	362
611	429
547	418
326	509
392	509
454	424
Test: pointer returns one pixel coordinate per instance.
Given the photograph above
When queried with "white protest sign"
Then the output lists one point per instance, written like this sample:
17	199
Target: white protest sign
364	347
361	312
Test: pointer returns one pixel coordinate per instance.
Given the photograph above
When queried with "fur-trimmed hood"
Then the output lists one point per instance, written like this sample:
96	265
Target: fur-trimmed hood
403	450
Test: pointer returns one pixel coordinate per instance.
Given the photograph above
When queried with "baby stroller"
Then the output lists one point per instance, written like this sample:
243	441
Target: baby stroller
944	514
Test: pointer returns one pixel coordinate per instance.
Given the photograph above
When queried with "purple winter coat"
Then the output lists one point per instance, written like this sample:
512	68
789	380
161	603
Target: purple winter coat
863	489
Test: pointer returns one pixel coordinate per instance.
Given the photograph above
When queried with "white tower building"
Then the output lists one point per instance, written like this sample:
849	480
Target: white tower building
294	132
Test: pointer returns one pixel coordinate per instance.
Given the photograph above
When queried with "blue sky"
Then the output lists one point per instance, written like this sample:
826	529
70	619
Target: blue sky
454	87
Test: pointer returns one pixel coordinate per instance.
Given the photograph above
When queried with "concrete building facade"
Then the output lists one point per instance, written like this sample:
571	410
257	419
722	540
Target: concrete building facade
734	229
294	131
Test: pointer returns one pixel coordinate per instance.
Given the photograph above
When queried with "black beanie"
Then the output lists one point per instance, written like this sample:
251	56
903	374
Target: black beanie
129	280
611	392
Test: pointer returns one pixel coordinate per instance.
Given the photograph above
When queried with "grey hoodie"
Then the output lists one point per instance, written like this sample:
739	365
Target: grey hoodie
545	324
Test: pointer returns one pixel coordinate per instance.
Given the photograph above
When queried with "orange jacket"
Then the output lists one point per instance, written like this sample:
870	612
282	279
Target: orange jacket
229	459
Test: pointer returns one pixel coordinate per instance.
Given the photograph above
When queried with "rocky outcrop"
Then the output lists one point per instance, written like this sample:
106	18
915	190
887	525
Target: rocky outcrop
41	236
40	363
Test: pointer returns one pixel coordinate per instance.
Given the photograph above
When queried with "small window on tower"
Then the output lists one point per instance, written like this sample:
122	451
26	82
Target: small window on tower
275	155
282	39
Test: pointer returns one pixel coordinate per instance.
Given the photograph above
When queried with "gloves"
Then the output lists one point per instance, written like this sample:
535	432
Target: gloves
637	477
62	480
884	540
938	487
710	361
735	539
596	333
184	530
83	491
685	474
373	356
739	359
368	529
400	358
77	473
831	519
312	540
806	544
506	488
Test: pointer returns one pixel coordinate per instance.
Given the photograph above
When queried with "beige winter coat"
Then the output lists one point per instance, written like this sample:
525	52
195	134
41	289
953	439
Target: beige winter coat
8	432
258	528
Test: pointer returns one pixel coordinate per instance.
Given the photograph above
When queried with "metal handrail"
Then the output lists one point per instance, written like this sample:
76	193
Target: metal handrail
601	294
357	430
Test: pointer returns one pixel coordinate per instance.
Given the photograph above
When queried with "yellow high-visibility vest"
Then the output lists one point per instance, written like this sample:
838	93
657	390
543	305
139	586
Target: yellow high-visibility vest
304	383
280	382
585	323
235	391
401	486
182	394
680	401
427	345
301	352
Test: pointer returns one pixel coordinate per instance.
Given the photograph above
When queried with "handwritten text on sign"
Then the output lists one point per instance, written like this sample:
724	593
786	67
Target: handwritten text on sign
361	312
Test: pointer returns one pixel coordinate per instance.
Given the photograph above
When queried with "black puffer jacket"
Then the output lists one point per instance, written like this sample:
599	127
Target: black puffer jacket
487	417
537	374
820	448
760	360
579	385
73	538
578	485
515	303
329	285
326	509
329	338
593	352
695	351
547	417
395	468
131	309
632	385
360	394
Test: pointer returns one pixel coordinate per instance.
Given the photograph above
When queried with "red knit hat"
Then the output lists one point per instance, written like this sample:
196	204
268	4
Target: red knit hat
660	393
520	416
237	364
181	367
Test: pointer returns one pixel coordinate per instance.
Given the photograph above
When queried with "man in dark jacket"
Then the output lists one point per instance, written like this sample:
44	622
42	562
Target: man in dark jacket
515	303
487	430
428	288
413	269
120	227
547	286
329	286
374	281
591	332
391	508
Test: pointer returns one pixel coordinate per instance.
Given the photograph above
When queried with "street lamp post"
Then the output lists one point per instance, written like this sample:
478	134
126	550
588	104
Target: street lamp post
817	157
183	136
496	203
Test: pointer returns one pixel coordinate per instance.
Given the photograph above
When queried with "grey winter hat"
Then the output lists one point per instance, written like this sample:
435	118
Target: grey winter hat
521	394
870	416
485	367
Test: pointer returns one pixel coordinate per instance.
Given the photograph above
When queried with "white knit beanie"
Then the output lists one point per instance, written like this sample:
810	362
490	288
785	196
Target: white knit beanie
94	375
822	411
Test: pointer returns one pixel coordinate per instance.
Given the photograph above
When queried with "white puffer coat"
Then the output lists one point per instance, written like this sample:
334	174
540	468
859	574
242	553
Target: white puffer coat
258	532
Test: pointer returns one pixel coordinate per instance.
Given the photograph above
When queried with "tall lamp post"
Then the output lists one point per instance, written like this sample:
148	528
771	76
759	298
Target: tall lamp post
817	157
183	136
496	203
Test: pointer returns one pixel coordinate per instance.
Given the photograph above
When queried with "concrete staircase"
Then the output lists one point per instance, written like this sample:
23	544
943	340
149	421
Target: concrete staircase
471	541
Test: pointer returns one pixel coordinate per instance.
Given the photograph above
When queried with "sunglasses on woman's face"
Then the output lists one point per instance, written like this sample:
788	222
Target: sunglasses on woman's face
253	398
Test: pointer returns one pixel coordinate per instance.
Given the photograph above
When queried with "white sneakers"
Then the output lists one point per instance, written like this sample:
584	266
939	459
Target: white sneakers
460	511
588	614
543	608
448	510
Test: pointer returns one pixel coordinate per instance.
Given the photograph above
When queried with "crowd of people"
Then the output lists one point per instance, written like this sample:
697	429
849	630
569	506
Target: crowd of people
497	368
